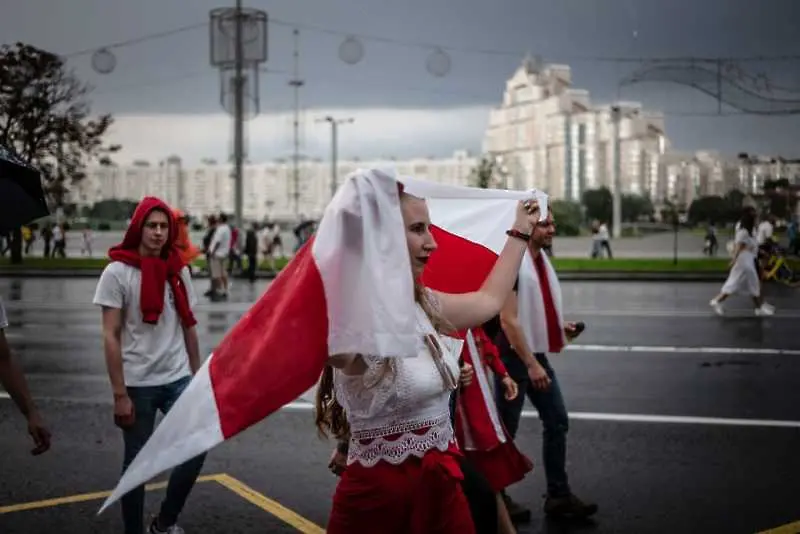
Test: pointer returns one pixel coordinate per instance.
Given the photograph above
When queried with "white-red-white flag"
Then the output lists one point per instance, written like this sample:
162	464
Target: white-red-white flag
349	289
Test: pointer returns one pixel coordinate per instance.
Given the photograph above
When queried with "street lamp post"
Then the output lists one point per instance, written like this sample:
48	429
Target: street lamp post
616	204
335	147
617	112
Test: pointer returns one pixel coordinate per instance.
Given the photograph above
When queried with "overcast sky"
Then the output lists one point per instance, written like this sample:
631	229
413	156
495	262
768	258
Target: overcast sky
166	98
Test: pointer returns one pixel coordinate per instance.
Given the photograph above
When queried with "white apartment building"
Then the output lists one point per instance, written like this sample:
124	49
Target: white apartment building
548	135
269	188
686	176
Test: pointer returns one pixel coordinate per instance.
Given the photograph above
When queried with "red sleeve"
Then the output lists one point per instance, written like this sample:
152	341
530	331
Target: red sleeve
490	353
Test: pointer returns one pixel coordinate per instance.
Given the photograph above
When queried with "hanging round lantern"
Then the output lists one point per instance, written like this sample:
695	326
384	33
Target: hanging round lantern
104	61
351	51
438	63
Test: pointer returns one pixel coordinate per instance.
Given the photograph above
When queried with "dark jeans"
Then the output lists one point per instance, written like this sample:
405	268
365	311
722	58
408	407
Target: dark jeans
147	401
552	412
252	265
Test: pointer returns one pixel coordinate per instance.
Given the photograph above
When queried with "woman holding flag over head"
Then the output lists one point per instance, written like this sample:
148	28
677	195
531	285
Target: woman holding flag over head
403	475
351	306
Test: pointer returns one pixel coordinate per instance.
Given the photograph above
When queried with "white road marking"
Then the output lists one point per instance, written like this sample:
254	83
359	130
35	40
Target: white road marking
681	350
616	417
674	419
633	418
18	336
740	313
693	310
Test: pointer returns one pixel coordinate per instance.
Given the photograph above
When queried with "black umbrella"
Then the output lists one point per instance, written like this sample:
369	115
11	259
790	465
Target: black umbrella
22	199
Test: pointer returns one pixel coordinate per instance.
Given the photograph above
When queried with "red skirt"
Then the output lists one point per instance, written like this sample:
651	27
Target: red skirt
502	465
418	496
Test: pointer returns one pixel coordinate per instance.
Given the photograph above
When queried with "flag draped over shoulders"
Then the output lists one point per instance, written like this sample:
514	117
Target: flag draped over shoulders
349	289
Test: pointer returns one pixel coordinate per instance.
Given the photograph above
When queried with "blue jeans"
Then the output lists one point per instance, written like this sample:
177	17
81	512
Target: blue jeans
146	402
552	413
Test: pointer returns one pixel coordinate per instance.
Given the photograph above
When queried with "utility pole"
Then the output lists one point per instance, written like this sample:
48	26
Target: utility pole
616	221
335	148
238	118
297	83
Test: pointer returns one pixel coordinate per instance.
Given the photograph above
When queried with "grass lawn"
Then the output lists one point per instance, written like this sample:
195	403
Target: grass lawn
564	265
655	265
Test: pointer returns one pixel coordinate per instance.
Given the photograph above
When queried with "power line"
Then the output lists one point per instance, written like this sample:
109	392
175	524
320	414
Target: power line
451	48
349	83
137	40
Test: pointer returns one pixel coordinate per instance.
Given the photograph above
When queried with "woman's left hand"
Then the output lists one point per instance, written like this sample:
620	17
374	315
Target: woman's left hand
466	375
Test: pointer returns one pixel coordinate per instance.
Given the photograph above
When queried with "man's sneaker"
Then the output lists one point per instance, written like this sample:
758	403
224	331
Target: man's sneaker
569	507
174	529
517	512
716	306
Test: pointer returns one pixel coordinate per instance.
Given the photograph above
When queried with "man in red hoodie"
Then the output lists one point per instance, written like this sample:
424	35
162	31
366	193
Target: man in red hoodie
151	347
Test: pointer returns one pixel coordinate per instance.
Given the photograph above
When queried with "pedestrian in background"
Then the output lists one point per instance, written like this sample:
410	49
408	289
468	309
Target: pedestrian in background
744	274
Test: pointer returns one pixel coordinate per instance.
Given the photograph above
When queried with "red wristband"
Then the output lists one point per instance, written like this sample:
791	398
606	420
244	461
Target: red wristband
518	235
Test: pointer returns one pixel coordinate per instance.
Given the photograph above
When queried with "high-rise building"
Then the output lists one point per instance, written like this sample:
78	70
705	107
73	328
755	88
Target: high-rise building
548	135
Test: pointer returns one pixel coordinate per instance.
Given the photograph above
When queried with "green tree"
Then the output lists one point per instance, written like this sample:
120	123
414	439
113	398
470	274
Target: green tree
45	118
781	197
483	175
567	216
598	204
709	209
636	207
735	202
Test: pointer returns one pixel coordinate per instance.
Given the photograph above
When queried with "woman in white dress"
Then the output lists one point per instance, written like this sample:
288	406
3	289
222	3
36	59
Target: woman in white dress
743	277
403	474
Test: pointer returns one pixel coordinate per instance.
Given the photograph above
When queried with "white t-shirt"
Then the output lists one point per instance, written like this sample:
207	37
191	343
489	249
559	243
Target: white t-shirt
764	232
152	355
222	235
3	316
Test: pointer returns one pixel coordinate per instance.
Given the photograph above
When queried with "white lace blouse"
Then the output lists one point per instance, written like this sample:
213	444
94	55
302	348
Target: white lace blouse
400	408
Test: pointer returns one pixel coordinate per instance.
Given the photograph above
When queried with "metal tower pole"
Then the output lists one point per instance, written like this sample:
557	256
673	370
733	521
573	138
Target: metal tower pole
238	131
297	83
617	178
335	147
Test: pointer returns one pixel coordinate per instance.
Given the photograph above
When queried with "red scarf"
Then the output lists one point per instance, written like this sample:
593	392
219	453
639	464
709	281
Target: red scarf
156	270
555	336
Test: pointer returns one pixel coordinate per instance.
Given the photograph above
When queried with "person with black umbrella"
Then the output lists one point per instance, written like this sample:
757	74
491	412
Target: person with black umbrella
22	198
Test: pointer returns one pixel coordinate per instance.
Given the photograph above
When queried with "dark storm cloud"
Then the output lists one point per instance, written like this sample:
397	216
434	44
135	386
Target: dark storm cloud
173	75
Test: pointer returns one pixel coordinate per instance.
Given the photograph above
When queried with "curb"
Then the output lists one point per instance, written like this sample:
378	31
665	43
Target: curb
564	276
639	276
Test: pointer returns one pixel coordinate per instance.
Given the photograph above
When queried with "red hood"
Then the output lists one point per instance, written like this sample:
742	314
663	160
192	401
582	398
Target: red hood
133	236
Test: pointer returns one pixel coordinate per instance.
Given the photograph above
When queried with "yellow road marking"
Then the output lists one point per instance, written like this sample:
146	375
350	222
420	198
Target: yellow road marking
789	528
268	505
84	497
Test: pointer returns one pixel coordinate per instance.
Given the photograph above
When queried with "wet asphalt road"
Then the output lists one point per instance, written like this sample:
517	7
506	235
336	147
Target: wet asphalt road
649	350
